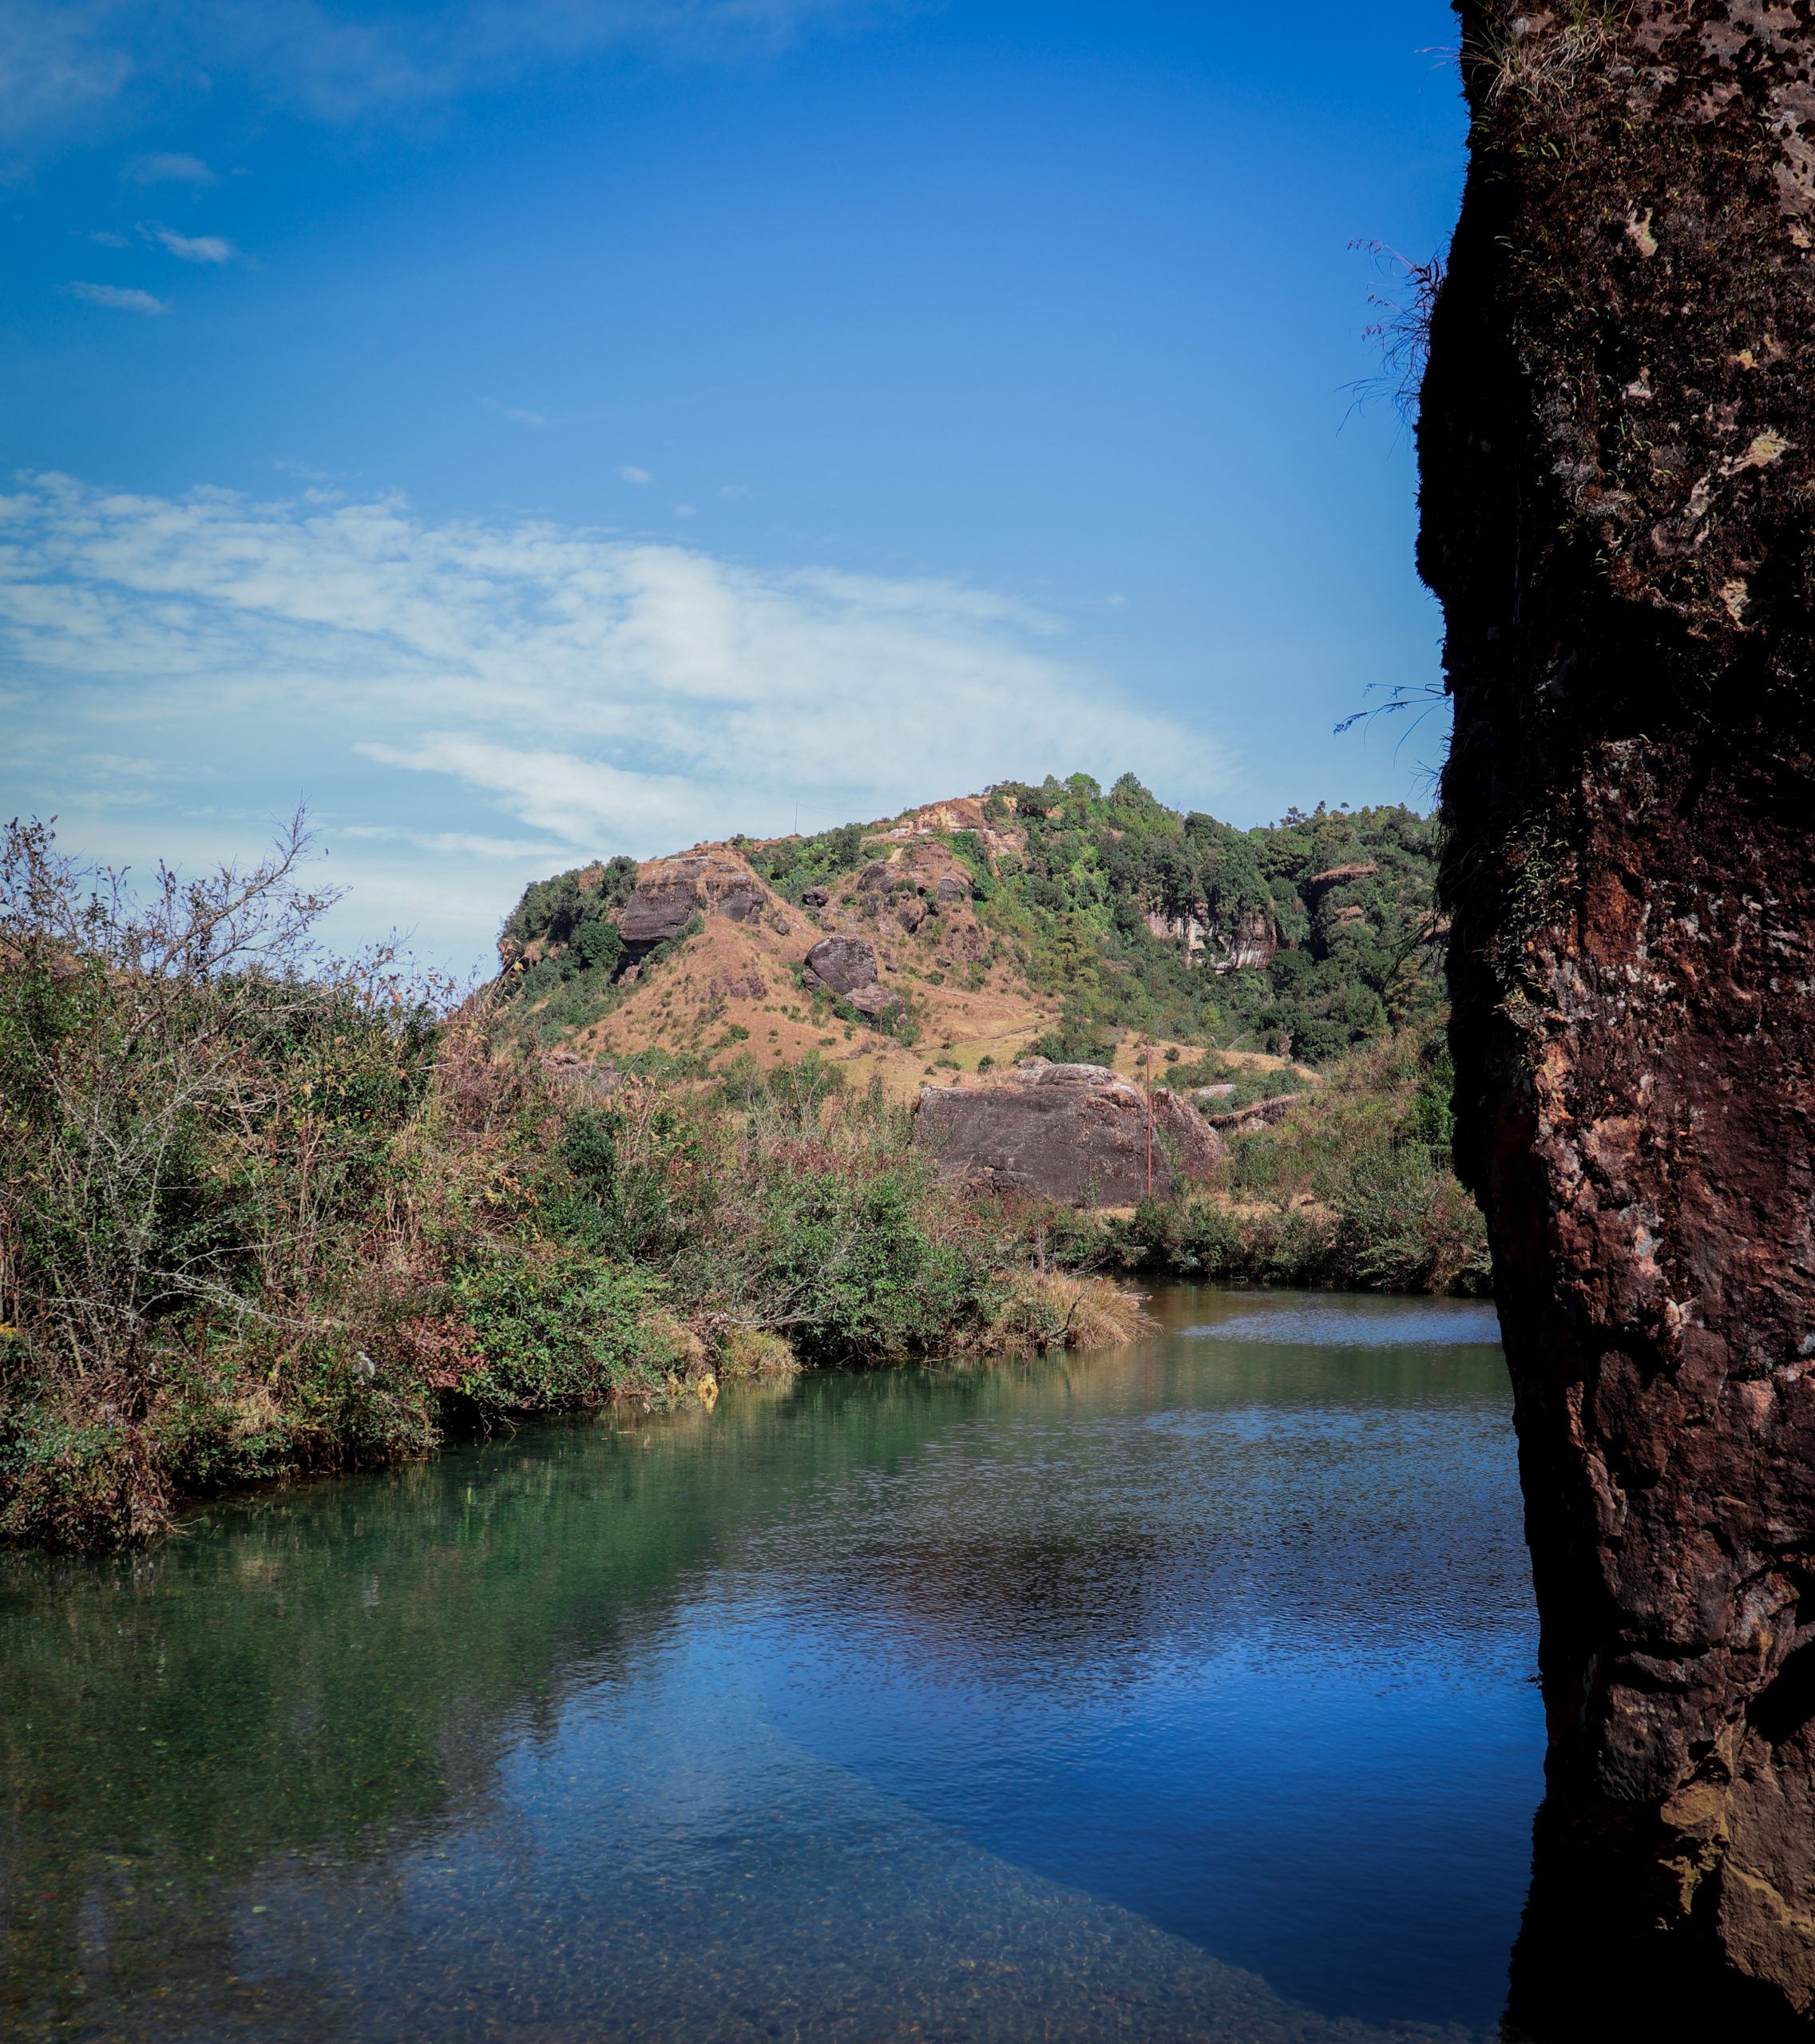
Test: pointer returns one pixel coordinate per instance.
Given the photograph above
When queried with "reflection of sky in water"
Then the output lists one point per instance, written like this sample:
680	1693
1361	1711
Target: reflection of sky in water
1178	1692
1353	1323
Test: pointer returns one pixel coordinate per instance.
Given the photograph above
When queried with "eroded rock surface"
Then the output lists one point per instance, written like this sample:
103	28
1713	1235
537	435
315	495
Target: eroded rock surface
669	893
1617	448
846	966
1070	1132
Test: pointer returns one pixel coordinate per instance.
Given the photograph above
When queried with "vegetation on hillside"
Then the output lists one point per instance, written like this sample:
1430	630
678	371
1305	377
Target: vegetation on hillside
1306	937
1343	900
1353	1187
265	1212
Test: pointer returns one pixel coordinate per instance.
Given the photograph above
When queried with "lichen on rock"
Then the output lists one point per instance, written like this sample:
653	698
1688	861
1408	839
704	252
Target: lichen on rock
1617	453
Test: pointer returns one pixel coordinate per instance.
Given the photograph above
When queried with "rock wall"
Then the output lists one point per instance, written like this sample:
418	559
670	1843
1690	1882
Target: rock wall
1618	501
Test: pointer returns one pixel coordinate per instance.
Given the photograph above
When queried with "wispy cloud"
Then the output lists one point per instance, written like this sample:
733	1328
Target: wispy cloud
193	247
465	680
57	65
337	59
632	474
167	170
116	299
517	415
104	237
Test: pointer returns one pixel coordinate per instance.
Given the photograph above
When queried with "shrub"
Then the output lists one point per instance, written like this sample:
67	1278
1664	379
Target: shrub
563	1329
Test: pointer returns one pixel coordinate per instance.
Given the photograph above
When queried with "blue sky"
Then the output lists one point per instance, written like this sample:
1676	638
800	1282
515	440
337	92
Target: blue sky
583	426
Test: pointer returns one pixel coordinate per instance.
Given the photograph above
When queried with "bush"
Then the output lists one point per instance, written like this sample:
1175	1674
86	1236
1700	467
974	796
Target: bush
562	1330
1353	1187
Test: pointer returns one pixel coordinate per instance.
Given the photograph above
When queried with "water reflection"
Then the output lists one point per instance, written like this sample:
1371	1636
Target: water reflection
1176	1692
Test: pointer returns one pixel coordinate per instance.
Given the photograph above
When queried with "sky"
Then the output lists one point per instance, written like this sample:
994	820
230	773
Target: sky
527	432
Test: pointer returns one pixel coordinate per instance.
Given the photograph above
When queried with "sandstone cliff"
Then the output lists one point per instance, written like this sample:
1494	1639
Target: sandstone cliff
1617	445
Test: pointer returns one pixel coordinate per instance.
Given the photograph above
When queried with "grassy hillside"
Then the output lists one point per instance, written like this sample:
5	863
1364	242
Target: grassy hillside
1090	915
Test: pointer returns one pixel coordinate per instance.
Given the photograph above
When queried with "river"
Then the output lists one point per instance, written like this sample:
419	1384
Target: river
1183	1690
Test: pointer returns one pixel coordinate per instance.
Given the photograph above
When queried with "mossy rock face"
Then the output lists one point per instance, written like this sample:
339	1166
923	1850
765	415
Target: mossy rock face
1617	452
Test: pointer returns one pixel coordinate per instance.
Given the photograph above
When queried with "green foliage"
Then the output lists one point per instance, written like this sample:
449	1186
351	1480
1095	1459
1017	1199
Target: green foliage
556	1330
792	864
1353	956
557	911
1080	1039
1352	1188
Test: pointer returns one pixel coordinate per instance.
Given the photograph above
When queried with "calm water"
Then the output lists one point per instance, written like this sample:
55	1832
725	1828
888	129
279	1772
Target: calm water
1179	1692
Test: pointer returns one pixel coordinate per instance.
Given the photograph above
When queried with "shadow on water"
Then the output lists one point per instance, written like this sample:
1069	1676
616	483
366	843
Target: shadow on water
1180	1691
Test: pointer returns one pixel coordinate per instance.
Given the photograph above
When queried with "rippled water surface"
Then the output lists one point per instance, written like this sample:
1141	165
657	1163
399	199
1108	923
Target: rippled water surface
1182	1691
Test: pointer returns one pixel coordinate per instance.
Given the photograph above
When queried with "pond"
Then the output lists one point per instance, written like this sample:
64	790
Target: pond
1183	1690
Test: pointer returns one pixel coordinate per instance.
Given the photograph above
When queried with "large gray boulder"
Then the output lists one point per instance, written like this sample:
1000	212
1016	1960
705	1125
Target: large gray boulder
846	966
1075	1133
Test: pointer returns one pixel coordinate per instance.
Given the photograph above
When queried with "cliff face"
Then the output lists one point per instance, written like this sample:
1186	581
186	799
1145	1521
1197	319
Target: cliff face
1617	444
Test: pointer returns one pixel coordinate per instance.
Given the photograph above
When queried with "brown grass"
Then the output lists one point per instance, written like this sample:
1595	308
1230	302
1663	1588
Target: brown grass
1047	1309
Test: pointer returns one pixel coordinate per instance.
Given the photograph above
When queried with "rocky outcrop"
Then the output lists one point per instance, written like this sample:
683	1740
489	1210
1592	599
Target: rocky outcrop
846	966
1075	1133
1252	943
670	892
1617	450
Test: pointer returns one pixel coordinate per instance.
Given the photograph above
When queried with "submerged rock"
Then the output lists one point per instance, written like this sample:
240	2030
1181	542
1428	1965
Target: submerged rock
1072	1132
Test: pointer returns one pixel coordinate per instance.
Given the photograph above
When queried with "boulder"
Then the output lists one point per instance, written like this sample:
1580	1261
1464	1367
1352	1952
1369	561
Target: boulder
743	901
1072	1132
846	966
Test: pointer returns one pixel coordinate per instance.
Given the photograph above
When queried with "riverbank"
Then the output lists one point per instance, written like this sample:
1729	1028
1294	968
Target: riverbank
266	1215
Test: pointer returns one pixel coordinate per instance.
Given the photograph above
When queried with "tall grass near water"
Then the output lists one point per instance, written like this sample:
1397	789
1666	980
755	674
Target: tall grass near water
265	1212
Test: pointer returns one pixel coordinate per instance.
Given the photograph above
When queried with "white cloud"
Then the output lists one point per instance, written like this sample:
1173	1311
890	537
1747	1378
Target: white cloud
523	417
632	474
167	170
64	62
117	299
453	683
194	247
106	238
686	511
734	489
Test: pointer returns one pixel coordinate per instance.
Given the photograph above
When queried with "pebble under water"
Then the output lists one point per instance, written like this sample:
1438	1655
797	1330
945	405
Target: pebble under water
1180	1691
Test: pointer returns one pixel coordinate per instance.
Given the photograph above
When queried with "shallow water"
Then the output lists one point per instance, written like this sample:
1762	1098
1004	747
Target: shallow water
1182	1691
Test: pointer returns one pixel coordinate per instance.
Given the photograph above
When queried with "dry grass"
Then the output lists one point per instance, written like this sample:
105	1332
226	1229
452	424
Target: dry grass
1541	54
1047	1310
747	1352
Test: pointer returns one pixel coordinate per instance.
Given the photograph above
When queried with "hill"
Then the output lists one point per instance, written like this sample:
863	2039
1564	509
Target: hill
1055	917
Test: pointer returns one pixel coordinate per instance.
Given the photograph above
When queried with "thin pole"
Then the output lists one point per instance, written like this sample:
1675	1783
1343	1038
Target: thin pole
1150	1117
